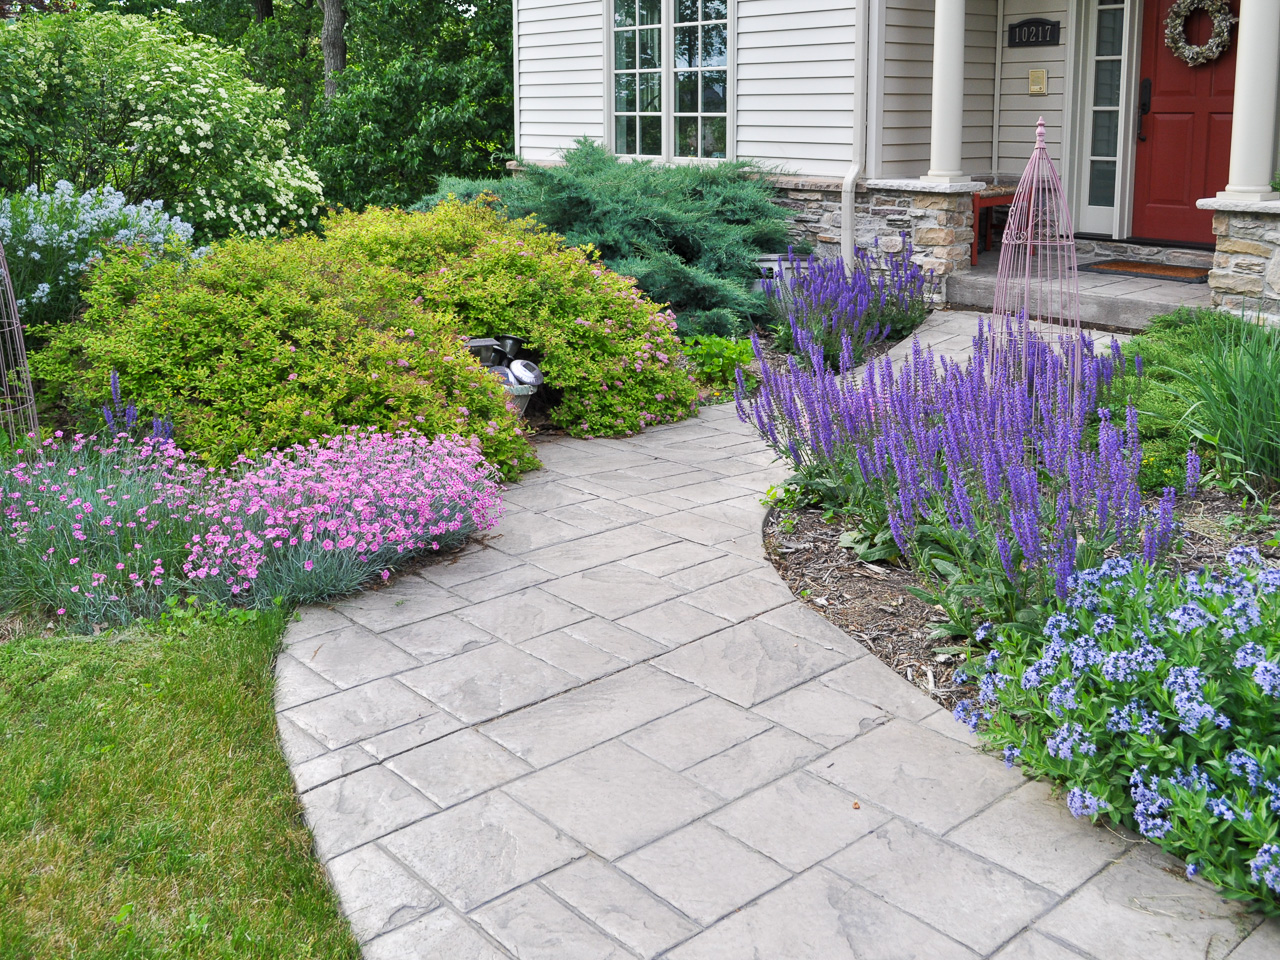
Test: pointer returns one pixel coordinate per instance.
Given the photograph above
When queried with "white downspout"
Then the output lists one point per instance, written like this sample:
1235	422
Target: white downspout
861	65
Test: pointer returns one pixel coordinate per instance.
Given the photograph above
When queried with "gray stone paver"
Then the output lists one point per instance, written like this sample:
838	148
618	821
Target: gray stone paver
457	767
378	894
703	872
613	798
699	731
923	776
971	900
489	682
609	731
362	806
534	925
749	662
479	850
619	906
754	763
1031	832
798	820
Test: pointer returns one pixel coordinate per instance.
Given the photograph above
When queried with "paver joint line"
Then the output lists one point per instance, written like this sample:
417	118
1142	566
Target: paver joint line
549	746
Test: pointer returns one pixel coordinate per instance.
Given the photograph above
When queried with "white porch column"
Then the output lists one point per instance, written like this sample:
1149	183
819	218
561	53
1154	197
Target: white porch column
947	134
1253	127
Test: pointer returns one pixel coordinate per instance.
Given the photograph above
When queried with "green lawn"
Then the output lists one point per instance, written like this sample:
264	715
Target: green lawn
145	808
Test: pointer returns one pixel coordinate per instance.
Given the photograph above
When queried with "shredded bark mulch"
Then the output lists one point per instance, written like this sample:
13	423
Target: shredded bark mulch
871	602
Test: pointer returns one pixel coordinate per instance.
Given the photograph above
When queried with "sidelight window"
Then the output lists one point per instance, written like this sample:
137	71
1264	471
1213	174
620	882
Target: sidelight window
1104	144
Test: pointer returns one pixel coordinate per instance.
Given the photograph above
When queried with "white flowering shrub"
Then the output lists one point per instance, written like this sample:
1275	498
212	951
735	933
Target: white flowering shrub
144	106
52	239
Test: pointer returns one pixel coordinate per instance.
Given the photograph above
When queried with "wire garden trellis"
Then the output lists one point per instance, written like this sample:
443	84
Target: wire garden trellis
1038	280
17	399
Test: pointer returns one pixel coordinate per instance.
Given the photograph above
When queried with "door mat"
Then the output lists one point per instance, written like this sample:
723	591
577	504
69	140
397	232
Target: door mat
1151	271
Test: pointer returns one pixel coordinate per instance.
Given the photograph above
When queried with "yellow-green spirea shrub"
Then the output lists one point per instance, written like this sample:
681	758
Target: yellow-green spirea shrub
266	343
610	356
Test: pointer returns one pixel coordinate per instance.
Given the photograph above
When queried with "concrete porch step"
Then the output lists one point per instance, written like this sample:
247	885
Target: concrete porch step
1117	304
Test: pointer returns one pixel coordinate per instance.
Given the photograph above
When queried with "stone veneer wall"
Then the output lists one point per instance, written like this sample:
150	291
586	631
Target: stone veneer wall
814	209
1246	267
936	218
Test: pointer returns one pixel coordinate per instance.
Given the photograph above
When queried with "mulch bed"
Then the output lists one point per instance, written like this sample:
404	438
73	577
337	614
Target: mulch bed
868	601
871	602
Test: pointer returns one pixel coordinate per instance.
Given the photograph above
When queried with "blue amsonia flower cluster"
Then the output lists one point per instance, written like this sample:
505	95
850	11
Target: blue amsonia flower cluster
1156	698
51	239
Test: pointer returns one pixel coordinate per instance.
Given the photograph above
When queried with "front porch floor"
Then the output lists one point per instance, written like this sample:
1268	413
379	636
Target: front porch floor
1106	302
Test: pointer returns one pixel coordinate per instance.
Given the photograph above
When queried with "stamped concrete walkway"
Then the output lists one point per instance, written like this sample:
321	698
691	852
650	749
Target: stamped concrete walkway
613	733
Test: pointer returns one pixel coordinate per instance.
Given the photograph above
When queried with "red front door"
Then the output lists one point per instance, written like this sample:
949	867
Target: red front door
1185	140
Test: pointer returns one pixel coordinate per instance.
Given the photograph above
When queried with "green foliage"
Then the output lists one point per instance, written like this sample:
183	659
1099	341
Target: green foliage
428	94
689	234
610	356
1234	395
142	773
144	106
1156	699
269	343
1212	377
50	240
718	359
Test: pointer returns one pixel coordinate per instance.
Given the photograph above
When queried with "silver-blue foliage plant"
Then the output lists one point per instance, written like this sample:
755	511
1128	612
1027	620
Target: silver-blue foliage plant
51	240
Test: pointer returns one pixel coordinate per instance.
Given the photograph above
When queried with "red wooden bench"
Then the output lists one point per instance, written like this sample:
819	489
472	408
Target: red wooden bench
996	195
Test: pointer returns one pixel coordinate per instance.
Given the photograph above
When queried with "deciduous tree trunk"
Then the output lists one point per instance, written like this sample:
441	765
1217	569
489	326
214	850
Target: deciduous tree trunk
263	10
332	43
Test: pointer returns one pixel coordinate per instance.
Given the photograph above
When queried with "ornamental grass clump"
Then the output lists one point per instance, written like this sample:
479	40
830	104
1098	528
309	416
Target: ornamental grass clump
1154	699
999	473
882	296
101	531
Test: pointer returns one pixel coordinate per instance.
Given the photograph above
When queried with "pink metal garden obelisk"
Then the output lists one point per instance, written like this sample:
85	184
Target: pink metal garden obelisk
17	402
1039	276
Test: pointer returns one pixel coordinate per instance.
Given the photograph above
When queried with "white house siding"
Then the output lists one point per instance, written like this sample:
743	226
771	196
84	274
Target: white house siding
907	92
795	89
1018	111
560	75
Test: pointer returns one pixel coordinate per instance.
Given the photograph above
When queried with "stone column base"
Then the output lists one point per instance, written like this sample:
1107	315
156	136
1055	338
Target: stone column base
1245	277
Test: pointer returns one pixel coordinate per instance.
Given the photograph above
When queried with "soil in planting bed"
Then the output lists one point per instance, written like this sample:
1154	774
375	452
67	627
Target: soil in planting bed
871	602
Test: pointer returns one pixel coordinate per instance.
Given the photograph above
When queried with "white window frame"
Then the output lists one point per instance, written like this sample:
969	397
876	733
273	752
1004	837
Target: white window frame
668	154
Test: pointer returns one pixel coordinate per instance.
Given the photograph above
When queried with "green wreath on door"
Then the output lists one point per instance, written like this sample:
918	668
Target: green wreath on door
1175	30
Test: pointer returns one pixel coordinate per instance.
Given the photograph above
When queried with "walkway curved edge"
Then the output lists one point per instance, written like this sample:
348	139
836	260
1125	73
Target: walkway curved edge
611	731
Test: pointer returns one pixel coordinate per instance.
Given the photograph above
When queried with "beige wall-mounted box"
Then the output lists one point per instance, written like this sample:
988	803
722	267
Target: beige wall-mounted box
1038	83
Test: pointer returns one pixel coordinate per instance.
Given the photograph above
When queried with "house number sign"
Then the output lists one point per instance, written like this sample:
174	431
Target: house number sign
1036	32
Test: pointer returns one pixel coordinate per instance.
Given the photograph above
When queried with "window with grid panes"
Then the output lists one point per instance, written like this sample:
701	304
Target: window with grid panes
1104	146
637	77
701	77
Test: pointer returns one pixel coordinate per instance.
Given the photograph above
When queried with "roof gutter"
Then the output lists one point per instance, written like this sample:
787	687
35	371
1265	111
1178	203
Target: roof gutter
861	65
